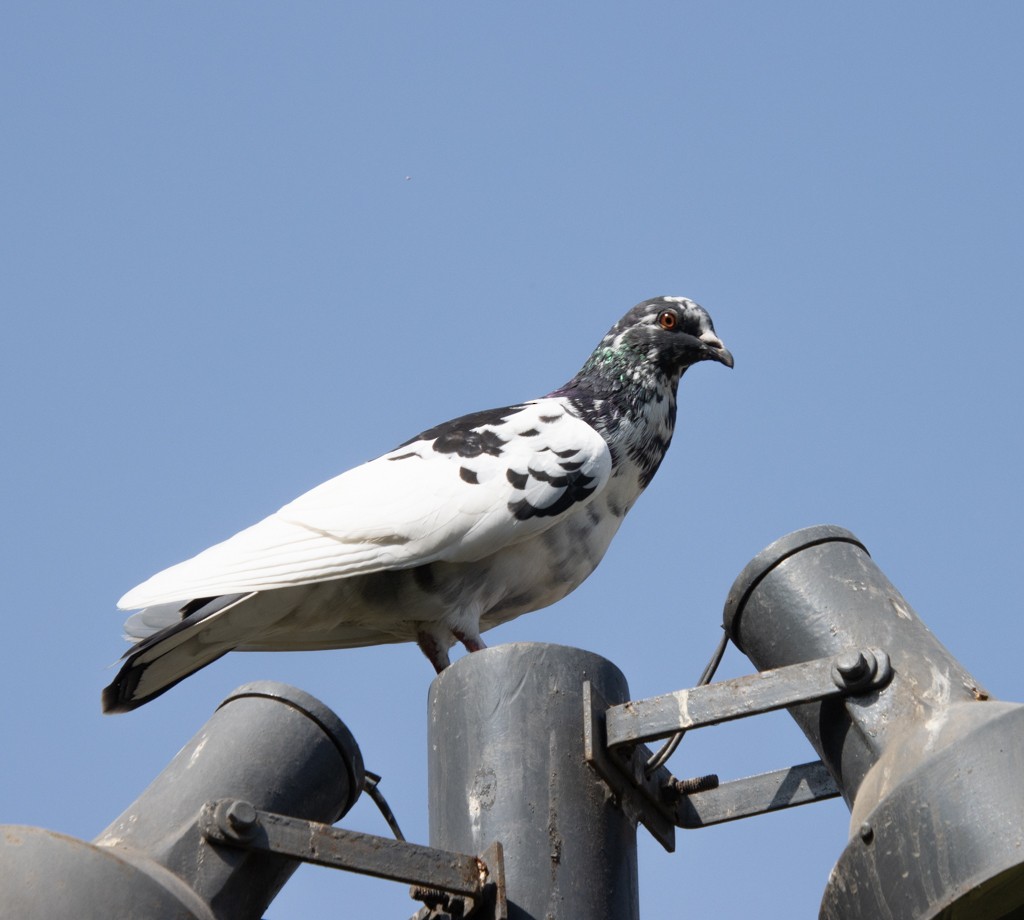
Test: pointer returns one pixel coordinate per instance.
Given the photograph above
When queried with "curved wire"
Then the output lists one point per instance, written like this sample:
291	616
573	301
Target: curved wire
370	781
659	758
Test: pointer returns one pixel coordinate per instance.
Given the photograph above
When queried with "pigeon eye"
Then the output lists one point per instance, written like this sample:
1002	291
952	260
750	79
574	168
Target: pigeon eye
668	320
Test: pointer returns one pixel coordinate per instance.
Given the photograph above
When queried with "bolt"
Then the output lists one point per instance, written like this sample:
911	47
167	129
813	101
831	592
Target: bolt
852	666
696	784
434	898
856	669
241	817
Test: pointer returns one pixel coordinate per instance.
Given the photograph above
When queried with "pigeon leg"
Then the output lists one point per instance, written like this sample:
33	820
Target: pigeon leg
434	649
471	641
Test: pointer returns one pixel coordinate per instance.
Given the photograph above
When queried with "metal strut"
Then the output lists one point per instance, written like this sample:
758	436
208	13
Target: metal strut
614	737
450	884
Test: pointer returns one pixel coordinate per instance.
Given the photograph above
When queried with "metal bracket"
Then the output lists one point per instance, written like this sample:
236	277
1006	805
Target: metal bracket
614	737
848	674
450	884
641	797
757	795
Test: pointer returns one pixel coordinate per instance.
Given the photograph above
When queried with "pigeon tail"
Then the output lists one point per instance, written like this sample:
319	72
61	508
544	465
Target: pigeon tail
170	655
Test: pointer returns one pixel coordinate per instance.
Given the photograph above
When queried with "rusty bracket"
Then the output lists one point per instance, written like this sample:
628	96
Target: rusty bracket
450	884
614	737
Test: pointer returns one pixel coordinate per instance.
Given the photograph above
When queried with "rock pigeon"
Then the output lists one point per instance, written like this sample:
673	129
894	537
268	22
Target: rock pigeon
463	527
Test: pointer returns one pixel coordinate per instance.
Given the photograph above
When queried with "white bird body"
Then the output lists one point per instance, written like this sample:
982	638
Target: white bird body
382	515
464	527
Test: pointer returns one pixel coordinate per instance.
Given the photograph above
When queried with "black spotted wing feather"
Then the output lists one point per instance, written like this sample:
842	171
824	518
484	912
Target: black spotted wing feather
457	493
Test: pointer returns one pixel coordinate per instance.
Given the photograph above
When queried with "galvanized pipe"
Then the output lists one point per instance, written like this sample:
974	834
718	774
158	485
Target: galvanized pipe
268	744
506	763
817	593
928	764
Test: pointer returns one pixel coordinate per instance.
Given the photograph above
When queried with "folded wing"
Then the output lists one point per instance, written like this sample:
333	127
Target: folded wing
458	492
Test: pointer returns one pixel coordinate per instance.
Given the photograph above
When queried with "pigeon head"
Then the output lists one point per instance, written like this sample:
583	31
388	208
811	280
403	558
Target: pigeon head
656	342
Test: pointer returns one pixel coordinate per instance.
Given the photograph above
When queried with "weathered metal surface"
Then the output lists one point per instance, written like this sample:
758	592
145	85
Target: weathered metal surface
506	762
817	593
640	794
930	766
49	876
337	848
268	743
661	802
441	905
948	841
757	795
778	688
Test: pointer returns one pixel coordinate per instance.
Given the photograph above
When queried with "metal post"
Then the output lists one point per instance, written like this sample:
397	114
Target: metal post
506	762
928	764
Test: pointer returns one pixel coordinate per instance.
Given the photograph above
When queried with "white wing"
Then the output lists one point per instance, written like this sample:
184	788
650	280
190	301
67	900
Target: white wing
459	492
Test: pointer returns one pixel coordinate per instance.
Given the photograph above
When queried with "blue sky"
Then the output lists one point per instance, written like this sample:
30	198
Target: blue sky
247	246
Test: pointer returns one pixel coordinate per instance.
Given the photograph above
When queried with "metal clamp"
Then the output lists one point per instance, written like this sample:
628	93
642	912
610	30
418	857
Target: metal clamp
641	796
614	737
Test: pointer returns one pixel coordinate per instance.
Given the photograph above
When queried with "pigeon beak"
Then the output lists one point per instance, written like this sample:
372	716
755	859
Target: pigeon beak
716	351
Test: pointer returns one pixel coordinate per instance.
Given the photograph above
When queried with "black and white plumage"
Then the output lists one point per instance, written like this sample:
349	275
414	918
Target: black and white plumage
467	525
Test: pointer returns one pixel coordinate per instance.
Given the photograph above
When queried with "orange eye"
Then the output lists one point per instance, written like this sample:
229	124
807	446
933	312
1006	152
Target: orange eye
668	320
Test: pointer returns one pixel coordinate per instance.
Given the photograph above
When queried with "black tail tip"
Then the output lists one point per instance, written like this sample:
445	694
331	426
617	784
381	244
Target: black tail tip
120	695
113	702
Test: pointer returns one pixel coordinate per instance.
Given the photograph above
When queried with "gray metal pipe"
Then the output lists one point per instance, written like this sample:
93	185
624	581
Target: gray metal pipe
272	745
506	762
929	765
816	593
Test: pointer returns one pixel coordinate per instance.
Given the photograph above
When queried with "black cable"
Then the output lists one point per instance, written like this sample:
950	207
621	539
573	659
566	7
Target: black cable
370	782
669	748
